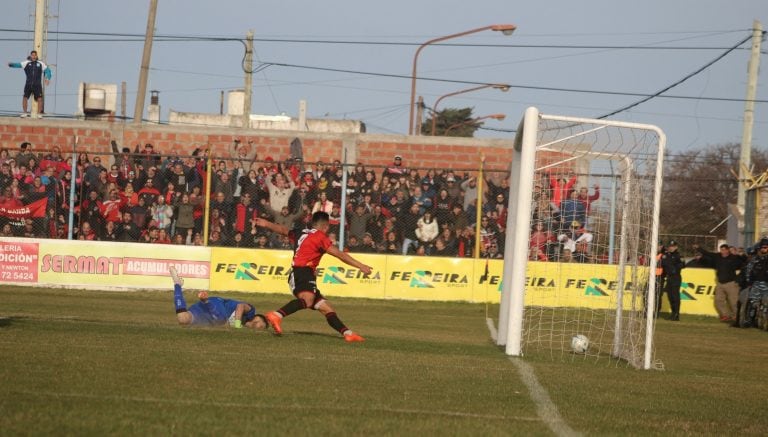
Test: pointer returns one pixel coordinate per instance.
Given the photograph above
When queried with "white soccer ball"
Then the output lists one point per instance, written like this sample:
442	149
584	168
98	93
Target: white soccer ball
579	343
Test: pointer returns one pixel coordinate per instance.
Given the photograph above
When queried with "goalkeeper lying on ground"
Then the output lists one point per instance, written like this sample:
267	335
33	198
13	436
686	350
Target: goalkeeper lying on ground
214	311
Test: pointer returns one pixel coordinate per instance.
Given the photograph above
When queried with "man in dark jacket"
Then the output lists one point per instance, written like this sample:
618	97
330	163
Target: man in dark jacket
673	265
726	266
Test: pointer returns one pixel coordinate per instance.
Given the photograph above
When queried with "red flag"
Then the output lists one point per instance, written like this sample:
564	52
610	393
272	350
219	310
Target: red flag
12	210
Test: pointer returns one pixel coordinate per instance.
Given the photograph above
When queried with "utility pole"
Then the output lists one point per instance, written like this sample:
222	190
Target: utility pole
419	115
39	42
745	157
141	92
248	67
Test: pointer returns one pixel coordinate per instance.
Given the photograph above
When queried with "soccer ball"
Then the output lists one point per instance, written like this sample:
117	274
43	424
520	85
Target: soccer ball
579	343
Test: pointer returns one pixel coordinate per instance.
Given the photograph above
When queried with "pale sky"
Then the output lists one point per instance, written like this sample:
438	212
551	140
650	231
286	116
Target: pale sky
620	52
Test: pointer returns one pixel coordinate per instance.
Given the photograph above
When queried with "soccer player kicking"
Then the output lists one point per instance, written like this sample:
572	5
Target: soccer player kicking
310	248
213	311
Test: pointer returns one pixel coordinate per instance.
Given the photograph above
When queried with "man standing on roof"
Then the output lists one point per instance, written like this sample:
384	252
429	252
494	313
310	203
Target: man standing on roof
35	71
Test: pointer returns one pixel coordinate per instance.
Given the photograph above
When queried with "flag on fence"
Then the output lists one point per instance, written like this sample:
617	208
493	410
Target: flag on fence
14	210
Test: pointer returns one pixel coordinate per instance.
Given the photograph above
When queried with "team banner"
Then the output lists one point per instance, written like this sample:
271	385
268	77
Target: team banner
14	211
124	265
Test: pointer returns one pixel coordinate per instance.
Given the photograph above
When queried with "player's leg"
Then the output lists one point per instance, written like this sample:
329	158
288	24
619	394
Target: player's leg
183	316
302	281
325	308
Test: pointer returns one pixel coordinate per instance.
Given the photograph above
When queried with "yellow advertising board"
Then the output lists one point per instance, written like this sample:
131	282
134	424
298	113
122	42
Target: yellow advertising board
266	271
124	265
250	270
449	279
144	266
429	278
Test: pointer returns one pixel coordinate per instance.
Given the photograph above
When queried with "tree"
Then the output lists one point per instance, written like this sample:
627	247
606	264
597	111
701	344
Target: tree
699	185
459	122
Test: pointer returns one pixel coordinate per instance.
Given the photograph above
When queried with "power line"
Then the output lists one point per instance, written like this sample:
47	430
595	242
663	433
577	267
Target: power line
688	76
529	87
132	37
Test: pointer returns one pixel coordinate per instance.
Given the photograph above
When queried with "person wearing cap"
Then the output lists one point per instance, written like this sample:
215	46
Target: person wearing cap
673	265
756	279
123	159
726	266
367	245
396	169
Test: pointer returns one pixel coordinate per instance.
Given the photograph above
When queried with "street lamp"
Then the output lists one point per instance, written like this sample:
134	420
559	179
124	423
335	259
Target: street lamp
475	120
505	29
501	87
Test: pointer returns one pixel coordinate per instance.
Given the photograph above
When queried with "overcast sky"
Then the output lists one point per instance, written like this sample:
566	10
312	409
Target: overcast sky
620	50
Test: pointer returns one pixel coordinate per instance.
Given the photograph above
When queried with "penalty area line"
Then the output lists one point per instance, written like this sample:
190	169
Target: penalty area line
545	408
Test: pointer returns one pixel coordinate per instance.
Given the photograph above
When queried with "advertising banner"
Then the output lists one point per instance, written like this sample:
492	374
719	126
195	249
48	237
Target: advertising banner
429	278
127	265
18	261
250	270
144	266
266	271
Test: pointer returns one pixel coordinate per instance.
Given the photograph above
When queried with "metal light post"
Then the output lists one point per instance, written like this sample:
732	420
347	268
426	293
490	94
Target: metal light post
506	29
474	120
502	87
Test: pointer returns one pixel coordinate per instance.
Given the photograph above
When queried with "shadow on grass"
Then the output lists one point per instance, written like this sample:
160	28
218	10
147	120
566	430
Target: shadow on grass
5	321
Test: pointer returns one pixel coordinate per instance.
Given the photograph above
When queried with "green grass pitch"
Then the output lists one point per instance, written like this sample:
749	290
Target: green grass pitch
95	363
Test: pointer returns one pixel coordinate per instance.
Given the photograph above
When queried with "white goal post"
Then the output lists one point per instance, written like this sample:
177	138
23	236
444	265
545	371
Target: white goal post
605	287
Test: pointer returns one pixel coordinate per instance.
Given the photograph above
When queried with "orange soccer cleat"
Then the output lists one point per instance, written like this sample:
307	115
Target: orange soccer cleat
353	338
274	320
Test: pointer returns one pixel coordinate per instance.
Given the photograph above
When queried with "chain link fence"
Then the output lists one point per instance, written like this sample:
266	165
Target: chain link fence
145	196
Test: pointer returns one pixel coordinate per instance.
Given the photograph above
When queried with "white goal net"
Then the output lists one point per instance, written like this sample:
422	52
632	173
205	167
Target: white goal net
580	253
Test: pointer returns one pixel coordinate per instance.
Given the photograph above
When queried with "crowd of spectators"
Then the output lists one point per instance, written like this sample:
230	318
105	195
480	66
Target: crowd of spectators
142	196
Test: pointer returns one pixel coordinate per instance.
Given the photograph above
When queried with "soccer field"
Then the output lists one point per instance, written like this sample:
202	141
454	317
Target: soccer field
89	363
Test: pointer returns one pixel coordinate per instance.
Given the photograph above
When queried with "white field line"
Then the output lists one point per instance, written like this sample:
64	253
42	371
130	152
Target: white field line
297	407
547	410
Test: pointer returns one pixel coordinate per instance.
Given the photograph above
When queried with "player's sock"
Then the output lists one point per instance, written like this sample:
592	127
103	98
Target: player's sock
291	307
336	323
178	299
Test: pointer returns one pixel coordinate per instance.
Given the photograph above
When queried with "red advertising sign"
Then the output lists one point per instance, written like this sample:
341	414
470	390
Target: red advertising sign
18	262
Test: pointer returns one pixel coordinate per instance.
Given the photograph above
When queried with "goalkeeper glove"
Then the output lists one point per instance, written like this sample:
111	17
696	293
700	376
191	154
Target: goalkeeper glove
238	324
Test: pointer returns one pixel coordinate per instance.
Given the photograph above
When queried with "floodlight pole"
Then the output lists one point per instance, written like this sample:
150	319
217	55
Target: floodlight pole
506	29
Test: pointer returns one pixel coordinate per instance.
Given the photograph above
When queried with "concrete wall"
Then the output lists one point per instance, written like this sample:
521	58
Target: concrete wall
371	149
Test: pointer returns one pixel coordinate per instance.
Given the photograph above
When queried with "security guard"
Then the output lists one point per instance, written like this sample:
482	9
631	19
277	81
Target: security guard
672	266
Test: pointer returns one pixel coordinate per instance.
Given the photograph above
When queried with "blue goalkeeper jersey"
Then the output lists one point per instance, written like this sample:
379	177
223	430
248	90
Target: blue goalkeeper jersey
218	311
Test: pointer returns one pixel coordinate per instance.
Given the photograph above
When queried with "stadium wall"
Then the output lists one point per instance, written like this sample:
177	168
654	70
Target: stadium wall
373	149
135	266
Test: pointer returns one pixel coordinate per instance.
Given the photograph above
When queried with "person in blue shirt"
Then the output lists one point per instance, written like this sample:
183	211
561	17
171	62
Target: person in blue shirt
35	71
212	310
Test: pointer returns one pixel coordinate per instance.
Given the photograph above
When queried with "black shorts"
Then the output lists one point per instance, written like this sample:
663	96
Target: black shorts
30	89
304	279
